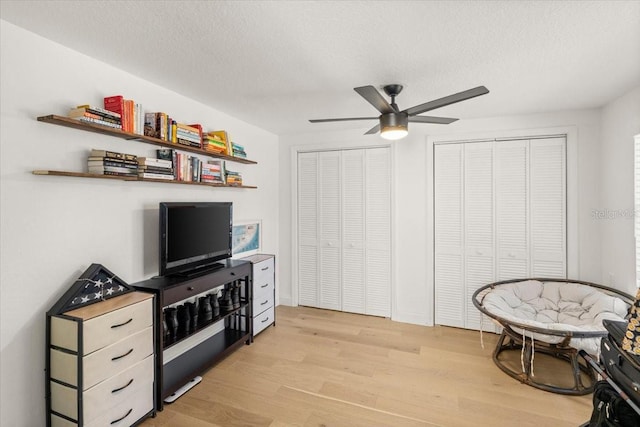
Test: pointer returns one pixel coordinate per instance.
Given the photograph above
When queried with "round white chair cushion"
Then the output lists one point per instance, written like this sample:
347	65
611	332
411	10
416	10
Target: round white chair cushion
557	306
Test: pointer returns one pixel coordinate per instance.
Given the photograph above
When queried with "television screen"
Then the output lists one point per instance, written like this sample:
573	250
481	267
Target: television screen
194	236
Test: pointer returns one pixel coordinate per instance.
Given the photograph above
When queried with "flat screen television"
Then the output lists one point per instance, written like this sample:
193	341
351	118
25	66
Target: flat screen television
193	236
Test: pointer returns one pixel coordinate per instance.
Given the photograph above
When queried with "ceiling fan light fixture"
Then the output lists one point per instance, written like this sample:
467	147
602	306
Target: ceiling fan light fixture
394	126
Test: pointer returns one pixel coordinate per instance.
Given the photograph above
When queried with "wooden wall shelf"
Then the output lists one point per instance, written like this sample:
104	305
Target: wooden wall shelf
90	127
133	178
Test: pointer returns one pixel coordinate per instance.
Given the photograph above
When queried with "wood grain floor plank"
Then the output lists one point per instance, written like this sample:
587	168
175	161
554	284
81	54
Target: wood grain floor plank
326	368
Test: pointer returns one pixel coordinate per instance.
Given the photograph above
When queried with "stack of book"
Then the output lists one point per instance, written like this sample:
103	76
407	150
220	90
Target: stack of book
129	110
188	135
96	115
170	155
103	162
221	142
213	172
185	167
238	150
233	178
214	144
161	126
149	167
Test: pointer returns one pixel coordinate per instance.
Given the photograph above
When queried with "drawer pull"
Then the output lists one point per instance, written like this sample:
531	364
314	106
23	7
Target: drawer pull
113	359
123	387
190	288
264	286
264	268
120	419
122	324
265	301
265	320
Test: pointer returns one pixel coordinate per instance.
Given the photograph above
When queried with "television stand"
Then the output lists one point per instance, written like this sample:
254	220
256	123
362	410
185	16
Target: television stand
190	354
205	269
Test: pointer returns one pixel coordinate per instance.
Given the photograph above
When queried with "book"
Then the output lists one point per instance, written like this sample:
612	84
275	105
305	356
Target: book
151	125
105	153
134	175
165	154
97	122
128	119
107	162
119	169
114	103
139	119
162	126
98	110
114	154
155	162
87	112
151	175
155	169
171	155
112	159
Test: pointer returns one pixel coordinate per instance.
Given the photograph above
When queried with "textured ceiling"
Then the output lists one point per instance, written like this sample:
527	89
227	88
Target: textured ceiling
276	64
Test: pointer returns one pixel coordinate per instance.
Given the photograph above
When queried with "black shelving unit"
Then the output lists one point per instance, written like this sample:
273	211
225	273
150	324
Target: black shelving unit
199	354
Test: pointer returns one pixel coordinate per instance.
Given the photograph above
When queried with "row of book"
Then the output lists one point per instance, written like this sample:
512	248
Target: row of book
128	116
130	112
168	165
104	162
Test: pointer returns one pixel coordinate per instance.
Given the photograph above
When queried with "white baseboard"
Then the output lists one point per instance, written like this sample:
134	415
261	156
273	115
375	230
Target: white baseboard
413	318
285	301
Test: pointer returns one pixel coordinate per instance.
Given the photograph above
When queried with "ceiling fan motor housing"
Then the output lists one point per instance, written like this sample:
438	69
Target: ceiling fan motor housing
394	121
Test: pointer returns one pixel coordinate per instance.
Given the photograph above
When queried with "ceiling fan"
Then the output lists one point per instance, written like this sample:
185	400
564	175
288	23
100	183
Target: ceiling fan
393	122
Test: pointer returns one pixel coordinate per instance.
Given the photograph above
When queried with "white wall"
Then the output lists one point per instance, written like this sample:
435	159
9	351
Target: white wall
413	276
53	228
620	122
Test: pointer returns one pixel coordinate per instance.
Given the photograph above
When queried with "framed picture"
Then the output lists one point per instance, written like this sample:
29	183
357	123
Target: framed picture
246	238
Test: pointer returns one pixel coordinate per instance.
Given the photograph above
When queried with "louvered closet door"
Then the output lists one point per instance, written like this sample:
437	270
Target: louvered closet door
500	213
512	208
449	234
308	285
378	231
479	233
330	224
353	235
344	230
547	182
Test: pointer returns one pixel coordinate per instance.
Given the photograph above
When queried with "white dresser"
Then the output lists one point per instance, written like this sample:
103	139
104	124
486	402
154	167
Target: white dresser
264	291
100	364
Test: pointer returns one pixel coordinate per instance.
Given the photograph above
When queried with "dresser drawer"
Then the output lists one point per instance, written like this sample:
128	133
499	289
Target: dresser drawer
263	272
264	319
57	421
103	363
105	329
126	413
198	285
111	392
260	290
261	303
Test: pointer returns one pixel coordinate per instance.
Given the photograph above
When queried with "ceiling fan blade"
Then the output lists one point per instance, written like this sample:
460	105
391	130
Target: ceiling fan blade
431	119
342	120
447	100
373	130
374	98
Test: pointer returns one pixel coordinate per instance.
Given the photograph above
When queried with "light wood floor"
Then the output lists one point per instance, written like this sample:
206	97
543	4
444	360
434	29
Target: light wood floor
325	368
